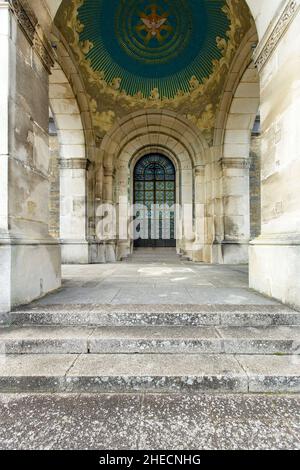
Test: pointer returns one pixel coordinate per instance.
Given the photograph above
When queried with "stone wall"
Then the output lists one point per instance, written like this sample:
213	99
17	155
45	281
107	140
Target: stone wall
275	255
29	256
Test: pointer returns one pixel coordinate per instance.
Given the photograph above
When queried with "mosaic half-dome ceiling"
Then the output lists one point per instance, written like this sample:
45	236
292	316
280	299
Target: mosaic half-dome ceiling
137	54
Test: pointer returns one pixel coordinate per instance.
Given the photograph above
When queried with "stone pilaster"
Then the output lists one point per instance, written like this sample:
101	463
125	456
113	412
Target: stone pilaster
110	246
97	248
199	175
108	185
236	207
73	217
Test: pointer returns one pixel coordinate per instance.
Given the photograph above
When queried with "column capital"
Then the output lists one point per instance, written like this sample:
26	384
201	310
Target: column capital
199	170
73	164
108	172
241	163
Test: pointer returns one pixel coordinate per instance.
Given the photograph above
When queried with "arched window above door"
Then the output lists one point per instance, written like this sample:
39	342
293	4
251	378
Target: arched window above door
154	167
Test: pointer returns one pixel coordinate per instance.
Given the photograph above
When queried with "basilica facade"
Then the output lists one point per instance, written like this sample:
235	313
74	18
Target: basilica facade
153	124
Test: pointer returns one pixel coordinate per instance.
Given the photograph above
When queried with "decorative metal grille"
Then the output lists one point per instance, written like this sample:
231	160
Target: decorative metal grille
155	189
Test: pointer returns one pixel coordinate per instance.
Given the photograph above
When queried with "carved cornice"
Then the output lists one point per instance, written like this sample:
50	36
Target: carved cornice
29	24
237	163
273	36
73	164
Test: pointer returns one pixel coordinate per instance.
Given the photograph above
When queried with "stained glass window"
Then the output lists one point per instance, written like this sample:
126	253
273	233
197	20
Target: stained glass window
154	183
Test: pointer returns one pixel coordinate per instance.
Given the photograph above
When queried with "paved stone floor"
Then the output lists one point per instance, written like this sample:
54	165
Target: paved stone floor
155	277
151	421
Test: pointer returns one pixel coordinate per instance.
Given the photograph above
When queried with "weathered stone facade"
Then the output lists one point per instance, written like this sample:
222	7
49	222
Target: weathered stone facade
275	255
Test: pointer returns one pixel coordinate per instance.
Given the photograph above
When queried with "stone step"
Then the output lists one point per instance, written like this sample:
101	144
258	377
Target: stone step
156	315
146	372
150	340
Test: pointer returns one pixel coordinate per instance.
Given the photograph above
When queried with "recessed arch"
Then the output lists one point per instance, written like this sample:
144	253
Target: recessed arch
241	116
235	167
73	166
142	133
160	126
67	115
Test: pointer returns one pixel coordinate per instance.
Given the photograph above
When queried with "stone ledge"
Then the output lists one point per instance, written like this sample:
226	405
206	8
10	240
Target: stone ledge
156	373
74	163
156	315
11	241
280	239
236	162
150	340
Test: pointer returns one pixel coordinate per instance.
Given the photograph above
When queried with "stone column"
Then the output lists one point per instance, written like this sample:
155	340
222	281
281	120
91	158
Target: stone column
123	213
108	197
97	246
198	248
29	256
73	220
275	255
236	206
184	219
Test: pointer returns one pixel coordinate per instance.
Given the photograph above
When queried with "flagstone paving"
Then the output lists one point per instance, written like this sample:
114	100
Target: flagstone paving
149	421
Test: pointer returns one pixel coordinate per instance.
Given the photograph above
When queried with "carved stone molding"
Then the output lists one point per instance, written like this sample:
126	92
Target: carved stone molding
237	163
269	44
99	141
109	173
200	170
29	24
73	164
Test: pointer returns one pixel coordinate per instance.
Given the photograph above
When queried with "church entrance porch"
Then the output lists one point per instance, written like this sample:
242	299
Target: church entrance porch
155	323
155	276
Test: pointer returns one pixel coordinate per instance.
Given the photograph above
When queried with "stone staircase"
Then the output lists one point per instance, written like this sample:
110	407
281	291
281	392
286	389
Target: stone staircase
107	348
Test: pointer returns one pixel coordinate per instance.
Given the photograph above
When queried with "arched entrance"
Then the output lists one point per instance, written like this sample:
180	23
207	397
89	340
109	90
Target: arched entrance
155	197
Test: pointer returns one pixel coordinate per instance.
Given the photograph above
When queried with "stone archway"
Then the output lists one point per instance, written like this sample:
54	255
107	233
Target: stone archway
236	165
164	132
73	166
